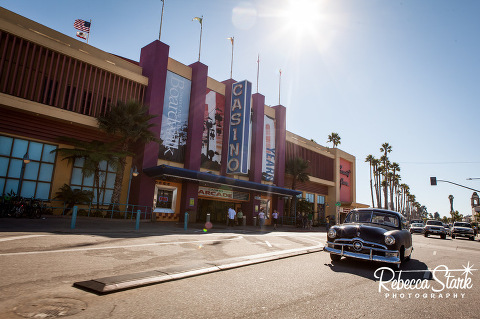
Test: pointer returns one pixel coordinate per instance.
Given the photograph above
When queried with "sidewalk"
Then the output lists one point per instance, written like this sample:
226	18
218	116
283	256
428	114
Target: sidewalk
62	224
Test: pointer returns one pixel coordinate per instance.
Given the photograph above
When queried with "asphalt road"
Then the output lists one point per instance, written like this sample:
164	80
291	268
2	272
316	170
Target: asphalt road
39	269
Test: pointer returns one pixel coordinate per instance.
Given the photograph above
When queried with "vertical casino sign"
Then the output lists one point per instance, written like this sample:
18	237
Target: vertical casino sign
239	141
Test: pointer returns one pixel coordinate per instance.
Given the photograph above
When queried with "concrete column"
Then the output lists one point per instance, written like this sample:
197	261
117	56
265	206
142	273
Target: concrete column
258	119
154	61
280	150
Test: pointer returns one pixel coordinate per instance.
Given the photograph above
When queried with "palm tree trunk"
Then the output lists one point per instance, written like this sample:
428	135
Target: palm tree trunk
117	189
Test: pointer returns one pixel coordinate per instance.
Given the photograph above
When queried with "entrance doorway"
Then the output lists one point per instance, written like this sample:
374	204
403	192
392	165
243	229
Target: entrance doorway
217	209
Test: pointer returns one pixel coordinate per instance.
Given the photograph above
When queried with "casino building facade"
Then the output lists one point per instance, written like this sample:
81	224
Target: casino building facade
220	145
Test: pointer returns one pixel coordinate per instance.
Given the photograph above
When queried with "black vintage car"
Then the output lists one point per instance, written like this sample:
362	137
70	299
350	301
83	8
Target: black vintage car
371	234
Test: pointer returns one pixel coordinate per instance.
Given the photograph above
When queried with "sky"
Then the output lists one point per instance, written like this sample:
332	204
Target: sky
403	72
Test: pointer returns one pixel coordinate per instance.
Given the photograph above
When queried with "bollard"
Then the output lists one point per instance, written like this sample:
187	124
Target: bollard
186	222
137	225
208	218
244	221
254	221
74	217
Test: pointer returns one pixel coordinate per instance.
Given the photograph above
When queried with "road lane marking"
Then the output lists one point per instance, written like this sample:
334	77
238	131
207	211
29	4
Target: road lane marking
116	247
268	244
434	252
20	237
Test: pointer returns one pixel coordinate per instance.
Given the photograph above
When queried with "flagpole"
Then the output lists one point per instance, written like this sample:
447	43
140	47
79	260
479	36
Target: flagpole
90	29
279	85
200	47
232	39
258	69
161	20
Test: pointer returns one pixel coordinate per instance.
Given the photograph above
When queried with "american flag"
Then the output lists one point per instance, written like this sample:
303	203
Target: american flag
82	25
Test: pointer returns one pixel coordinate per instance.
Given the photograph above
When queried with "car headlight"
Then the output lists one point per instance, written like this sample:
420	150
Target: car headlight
332	233
389	240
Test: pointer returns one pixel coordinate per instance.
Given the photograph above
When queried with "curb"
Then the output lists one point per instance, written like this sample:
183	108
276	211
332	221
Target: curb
130	281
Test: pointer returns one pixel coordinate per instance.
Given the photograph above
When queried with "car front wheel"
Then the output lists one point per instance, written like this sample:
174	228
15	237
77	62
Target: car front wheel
453	236
335	257
426	234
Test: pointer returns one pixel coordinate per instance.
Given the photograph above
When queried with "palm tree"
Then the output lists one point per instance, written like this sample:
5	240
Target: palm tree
297	167
73	196
334	138
370	159
131	122
93	154
393	179
386	148
376	175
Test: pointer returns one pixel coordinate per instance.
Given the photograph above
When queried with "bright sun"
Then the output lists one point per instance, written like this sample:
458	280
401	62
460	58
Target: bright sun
303	16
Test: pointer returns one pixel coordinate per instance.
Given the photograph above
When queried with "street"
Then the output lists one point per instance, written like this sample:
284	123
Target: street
40	268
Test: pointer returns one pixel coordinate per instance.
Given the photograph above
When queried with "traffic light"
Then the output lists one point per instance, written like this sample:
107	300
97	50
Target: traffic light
433	181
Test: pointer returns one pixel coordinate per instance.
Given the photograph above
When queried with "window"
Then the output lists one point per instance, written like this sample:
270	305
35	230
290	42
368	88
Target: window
309	198
165	199
107	181
33	179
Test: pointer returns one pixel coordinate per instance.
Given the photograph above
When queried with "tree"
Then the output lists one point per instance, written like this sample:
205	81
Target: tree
436	216
393	179
297	167
386	148
334	138
131	122
93	154
370	159
73	196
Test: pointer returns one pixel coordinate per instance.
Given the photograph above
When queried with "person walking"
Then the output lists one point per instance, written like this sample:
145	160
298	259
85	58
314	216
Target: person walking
231	217
310	220
261	218
275	219
240	217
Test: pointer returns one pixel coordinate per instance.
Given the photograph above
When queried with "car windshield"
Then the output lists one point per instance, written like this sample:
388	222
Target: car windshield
462	225
417	225
434	222
381	218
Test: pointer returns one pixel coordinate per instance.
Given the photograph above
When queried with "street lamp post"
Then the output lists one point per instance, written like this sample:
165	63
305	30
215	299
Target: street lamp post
25	161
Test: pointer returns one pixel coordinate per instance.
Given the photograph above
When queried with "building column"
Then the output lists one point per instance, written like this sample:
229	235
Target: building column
193	149
256	150
280	149
154	61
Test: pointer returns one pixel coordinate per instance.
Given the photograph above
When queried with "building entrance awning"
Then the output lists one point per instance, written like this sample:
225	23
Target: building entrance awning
162	171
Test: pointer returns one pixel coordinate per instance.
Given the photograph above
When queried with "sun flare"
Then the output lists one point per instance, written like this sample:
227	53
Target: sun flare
303	16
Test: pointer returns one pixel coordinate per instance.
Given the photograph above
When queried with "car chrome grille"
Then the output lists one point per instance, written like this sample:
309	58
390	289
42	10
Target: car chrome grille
358	245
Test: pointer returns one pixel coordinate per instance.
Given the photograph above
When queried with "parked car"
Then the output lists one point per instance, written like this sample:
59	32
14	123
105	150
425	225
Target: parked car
416	228
434	227
371	234
461	229
448	229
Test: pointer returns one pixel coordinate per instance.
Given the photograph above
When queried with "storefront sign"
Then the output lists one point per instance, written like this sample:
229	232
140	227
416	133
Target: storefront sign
238	143
213	122
176	105
214	192
268	160
345	180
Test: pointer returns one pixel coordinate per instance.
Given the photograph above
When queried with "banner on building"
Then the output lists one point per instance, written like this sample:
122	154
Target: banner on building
176	105
212	138
268	159
345	180
239	141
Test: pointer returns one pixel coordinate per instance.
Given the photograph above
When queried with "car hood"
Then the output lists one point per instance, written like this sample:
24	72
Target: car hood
462	228
367	232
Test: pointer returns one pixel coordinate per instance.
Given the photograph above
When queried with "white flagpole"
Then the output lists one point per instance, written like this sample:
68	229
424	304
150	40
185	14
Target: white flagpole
258	69
279	85
90	29
232	39
161	20
200	47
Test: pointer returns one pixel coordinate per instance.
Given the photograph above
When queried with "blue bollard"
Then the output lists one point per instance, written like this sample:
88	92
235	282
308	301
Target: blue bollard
74	217
186	222
137	225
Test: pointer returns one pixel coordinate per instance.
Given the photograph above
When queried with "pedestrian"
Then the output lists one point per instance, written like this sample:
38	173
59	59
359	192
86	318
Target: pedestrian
231	217
310	220
240	217
328	222
275	219
261	218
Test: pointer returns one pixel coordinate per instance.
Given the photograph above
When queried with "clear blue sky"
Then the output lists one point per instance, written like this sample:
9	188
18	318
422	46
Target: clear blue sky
403	72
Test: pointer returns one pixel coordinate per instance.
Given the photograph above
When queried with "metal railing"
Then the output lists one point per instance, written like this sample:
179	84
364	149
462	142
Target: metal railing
105	210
